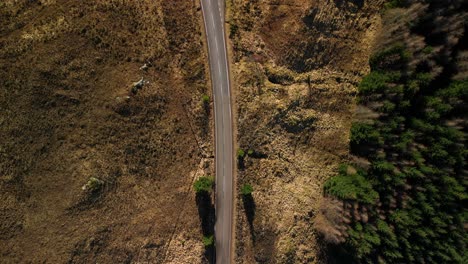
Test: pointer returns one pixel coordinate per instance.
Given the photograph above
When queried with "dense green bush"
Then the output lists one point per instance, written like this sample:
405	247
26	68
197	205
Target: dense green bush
246	189
351	187
377	82
208	241
204	185
364	134
389	57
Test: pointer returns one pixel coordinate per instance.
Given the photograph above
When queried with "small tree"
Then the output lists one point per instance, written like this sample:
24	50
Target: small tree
240	159
246	189
206	104
240	153
93	184
205	99
208	241
204	184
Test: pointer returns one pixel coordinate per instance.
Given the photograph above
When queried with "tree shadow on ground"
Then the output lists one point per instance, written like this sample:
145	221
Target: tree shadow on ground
330	253
249	207
240	163
206	212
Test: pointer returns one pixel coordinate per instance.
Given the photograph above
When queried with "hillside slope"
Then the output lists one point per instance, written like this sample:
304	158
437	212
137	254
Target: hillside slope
91	169
296	68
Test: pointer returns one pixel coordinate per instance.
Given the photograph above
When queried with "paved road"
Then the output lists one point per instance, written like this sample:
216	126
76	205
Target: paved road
213	13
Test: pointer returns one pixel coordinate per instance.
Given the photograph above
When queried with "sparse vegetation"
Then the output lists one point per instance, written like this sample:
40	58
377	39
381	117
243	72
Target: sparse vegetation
295	72
67	112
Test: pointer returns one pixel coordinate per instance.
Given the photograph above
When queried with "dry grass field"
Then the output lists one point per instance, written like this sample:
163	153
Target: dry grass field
296	66
91	170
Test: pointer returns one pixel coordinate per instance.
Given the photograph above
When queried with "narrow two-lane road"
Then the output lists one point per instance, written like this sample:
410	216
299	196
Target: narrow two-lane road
213	13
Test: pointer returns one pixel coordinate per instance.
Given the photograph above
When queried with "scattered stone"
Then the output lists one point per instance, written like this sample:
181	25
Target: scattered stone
138	85
122	98
144	67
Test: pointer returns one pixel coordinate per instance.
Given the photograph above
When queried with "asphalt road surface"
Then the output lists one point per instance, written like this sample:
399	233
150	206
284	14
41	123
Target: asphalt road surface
213	13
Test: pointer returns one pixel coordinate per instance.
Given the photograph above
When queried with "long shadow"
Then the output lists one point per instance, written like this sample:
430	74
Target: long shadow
334	254
206	212
207	109
210	254
249	206
205	125
241	163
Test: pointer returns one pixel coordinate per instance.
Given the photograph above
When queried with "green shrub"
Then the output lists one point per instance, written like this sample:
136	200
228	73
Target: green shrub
377	82
246	189
208	241
428	50
240	153
204	184
93	184
424	79
364	134
394	55
205	99
351	187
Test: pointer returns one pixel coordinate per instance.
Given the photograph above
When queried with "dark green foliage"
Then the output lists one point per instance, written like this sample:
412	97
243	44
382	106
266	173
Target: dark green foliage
415	186
390	57
351	187
233	30
377	82
395	3
428	50
364	134
204	185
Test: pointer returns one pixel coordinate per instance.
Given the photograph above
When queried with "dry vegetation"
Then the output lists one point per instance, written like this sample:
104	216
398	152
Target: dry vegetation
296	66
89	170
